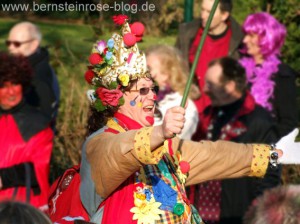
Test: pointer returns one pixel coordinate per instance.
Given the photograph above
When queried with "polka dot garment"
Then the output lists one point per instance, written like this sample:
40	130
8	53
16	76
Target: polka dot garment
209	206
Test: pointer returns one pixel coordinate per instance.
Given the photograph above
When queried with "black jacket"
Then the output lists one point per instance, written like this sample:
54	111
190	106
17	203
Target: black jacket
257	127
41	94
285	100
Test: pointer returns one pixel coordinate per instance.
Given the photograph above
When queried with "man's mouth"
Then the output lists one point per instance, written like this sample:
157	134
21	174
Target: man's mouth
148	108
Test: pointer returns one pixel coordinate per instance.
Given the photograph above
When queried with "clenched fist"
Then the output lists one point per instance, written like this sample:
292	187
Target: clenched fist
173	121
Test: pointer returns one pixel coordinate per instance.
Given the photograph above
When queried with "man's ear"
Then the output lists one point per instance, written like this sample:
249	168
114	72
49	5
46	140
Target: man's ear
225	16
230	86
34	45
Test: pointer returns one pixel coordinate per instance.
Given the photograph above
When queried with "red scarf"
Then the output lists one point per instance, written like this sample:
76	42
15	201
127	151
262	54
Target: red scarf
117	206
212	49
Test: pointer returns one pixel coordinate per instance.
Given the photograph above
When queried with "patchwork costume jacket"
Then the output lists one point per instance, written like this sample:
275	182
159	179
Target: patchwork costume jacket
123	181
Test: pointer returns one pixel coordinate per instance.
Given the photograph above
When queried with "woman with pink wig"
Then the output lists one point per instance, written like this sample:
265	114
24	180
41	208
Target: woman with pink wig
272	83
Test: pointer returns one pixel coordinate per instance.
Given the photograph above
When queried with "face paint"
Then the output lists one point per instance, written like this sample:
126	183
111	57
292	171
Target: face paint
141	107
140	104
132	102
150	120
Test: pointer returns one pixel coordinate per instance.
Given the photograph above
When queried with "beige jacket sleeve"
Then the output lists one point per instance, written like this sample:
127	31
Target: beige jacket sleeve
215	160
114	157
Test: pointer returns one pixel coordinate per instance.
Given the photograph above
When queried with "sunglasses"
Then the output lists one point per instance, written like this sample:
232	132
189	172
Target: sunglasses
145	90
16	43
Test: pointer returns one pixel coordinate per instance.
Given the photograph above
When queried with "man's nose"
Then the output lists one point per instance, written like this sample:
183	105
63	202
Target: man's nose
153	94
11	48
204	15
205	89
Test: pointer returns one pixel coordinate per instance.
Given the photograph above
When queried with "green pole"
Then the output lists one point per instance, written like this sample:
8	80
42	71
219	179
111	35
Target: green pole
191	75
188	10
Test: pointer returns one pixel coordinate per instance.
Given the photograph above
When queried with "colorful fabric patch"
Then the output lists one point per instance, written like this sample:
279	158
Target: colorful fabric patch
111	123
146	209
164	194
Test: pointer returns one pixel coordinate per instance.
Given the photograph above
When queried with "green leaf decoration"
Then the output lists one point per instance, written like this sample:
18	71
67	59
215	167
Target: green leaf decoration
110	61
99	106
97	83
99	65
113	85
121	101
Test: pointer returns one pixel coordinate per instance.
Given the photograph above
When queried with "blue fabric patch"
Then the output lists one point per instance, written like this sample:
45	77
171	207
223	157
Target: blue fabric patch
148	194
164	194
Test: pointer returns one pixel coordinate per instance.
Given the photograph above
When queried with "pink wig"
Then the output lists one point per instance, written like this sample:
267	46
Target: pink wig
271	33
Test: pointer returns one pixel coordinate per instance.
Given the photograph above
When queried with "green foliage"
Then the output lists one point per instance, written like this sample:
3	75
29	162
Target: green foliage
113	85
99	105
288	12
242	8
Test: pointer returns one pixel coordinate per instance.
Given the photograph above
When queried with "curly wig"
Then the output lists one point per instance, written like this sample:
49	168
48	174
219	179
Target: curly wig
15	69
175	66
271	32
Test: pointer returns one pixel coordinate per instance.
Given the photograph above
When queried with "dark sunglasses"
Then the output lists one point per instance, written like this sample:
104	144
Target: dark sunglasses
146	90
16	43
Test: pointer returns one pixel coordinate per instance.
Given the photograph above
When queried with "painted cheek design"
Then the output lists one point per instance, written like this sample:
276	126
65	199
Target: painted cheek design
132	102
140	104
150	120
154	97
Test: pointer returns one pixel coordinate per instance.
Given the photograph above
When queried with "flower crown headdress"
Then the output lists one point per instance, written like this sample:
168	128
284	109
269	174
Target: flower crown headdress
114	64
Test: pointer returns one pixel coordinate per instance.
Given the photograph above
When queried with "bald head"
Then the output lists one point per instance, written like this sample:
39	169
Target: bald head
24	39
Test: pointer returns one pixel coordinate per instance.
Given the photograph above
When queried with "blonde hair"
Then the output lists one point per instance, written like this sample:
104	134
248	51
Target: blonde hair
173	64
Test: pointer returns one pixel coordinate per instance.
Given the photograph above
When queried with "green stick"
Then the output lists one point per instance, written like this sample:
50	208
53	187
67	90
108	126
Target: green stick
191	75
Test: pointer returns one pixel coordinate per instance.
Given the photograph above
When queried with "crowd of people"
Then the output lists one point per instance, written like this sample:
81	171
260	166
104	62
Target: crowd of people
146	159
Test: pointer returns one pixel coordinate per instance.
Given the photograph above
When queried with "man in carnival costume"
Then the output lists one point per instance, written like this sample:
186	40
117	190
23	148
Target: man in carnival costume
132	172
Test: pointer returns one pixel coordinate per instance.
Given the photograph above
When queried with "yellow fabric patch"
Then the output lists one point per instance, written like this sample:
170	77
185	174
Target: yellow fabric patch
260	161
143	150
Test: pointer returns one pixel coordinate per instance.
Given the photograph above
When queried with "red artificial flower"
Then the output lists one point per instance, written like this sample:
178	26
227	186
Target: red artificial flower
105	50
129	39
120	19
109	97
89	75
138	38
95	59
137	28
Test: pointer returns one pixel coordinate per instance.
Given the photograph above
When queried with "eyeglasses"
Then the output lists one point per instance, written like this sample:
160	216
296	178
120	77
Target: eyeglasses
16	43
146	90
